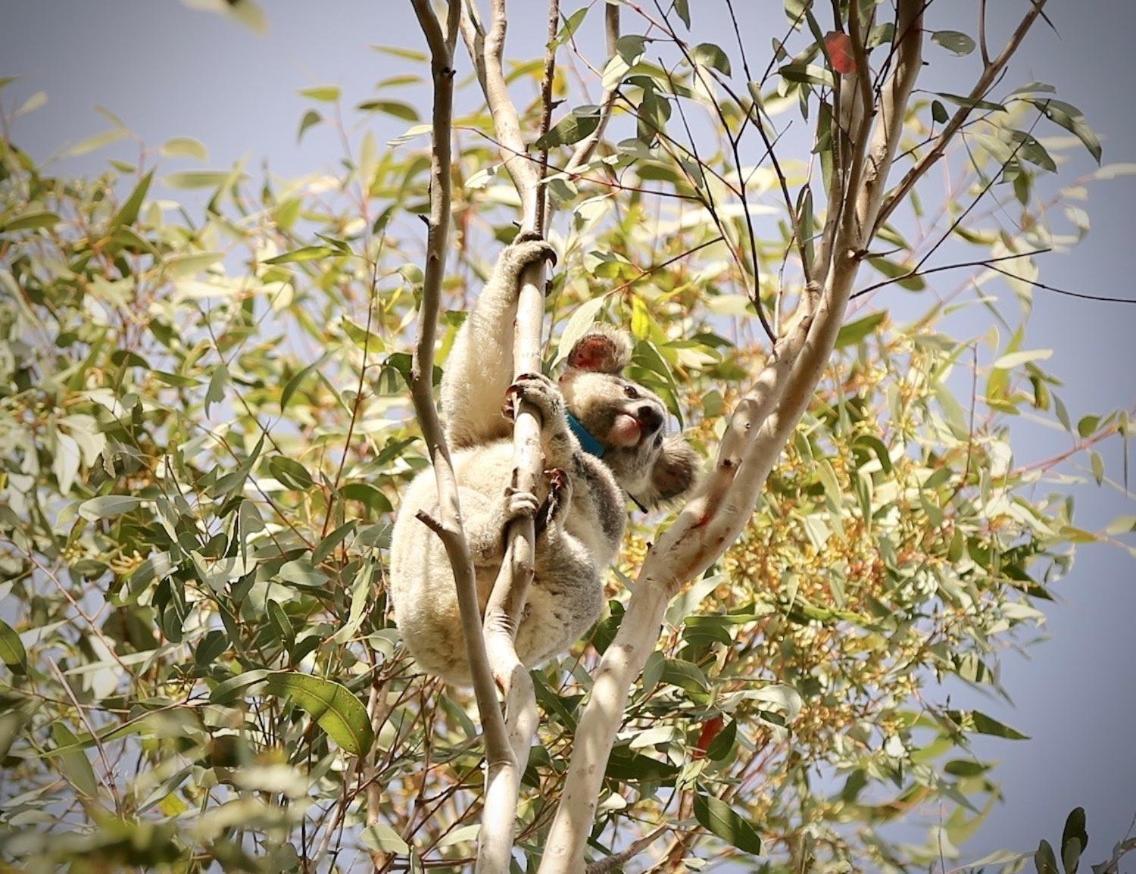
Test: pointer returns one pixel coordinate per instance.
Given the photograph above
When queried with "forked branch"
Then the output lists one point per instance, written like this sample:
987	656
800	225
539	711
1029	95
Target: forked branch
758	430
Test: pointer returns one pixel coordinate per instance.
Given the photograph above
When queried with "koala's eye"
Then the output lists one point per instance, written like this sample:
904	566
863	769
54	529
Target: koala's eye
631	391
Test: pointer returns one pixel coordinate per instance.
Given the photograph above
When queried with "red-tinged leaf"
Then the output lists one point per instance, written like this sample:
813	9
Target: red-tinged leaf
839	48
710	729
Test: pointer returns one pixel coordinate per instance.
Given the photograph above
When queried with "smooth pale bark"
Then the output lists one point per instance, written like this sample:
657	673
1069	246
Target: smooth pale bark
757	433
507	601
495	841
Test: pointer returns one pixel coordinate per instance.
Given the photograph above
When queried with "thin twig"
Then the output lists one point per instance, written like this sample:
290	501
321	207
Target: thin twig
986	81
981	262
587	146
546	109
1099	298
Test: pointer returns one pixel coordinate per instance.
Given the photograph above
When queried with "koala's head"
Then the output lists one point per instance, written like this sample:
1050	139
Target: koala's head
627	419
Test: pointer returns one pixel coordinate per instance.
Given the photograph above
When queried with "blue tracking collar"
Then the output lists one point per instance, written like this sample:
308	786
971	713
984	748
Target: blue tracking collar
588	442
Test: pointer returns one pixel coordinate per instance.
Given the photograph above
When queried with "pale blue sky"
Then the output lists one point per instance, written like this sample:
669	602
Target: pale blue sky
170	71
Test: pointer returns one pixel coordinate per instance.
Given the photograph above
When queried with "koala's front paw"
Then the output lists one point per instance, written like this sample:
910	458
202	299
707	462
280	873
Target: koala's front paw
520	503
528	248
540	391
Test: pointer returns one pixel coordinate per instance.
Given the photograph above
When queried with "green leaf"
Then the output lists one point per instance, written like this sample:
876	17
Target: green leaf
954	41
1033	151
226	692
685	675
405	54
182	266
392	81
30	221
98	141
311	118
965	768
984	724
717	817
184	147
570	26
199	178
578	325
128	212
1097	464
1016	359
1087	426
853	332
291	386
108	505
970	102
877	446
12	651
174	379
623	764
710	55
334	708
360	592
893	270
579	123
806	74
939	112
74	763
390	107
723	743
368	494
1074	839
1071	118
36	101
332	540
380	836
306	253
1044	859
280	622
322	93
218	379
682	9
290	472
1121	525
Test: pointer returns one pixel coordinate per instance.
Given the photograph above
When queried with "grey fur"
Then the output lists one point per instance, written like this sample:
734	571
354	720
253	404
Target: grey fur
581	507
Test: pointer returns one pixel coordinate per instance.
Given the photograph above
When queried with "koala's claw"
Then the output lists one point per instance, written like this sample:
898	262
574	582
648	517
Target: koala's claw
557	479
559	498
539	390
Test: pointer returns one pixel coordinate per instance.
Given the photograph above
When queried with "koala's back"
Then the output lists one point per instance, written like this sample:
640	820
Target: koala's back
566	596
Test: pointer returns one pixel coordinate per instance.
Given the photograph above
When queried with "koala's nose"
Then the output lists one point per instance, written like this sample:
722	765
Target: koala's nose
650	418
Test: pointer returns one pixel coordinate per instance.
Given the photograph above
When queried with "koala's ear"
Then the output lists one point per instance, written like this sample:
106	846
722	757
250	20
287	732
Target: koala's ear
602	349
675	471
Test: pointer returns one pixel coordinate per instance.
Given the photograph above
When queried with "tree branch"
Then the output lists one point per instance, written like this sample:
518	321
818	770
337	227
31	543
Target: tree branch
758	430
985	82
485	49
584	149
496	838
506	604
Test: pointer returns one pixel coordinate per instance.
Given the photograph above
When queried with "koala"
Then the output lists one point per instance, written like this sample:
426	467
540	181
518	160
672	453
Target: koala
603	438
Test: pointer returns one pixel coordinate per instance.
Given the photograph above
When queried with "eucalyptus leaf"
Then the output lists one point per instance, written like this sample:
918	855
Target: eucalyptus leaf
333	707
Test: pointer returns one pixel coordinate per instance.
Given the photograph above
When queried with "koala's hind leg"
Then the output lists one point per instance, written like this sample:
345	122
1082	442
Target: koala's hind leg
480	366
